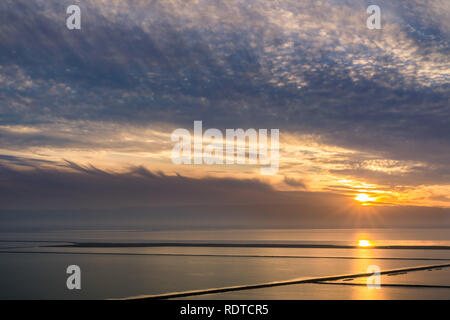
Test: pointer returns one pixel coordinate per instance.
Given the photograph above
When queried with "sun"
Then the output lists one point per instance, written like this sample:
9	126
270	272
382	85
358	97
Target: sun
364	243
362	197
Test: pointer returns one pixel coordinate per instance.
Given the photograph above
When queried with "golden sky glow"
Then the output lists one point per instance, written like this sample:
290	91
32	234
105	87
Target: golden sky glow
306	163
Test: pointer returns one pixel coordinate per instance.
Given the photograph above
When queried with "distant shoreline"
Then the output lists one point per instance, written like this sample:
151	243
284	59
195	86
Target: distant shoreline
235	245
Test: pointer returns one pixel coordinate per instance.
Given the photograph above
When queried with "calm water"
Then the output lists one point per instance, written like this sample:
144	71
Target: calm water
30	268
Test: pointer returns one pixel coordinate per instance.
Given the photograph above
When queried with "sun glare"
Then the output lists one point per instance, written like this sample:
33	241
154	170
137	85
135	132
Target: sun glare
364	243
362	197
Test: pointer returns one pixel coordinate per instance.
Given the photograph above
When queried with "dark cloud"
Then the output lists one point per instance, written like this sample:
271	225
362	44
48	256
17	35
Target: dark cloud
74	186
78	196
294	182
27	162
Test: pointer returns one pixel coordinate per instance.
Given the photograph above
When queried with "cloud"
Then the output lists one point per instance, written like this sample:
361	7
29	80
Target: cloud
116	147
79	196
294	182
75	186
300	66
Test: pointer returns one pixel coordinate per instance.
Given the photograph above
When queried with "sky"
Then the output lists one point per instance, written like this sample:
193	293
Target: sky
86	116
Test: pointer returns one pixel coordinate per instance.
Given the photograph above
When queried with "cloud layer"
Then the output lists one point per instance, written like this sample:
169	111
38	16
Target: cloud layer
76	196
